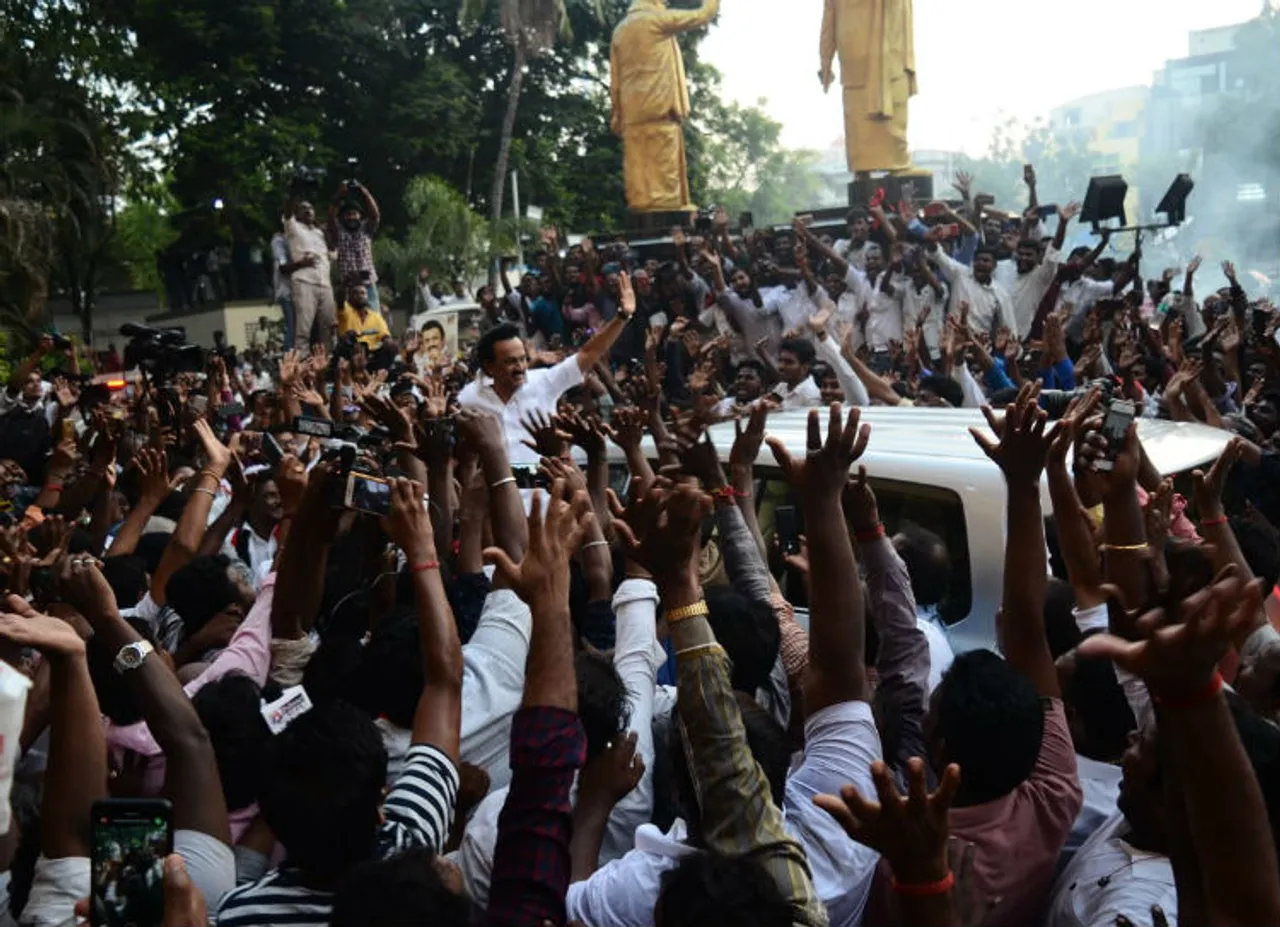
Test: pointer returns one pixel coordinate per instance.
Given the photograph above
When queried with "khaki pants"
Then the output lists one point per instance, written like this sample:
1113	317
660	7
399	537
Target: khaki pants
313	307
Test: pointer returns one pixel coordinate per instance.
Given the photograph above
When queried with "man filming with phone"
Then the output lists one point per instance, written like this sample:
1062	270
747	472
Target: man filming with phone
353	221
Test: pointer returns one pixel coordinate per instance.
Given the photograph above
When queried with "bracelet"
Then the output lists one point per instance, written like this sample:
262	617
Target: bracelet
925	889
209	492
727	492
685	612
871	534
1210	522
1132	548
425	565
595	544
502	482
210	474
1189	701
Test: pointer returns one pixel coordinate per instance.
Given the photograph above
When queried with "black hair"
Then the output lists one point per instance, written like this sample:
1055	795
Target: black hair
748	631
990	720
230	710
944	387
321	788
1060	625
1260	545
433	323
987	250
82	542
1028	243
857	212
925	555
714	890
173	505
751	363
201	589
1098	703
127	577
151	547
403	891
602	701
334	670
486	347
390	677
802	349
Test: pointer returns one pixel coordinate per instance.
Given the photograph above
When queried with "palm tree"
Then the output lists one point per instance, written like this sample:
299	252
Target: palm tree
530	28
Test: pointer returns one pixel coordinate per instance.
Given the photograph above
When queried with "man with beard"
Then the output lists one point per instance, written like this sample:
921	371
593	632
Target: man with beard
352	225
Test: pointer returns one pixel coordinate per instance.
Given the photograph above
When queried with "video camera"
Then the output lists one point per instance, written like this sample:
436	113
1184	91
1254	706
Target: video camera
161	353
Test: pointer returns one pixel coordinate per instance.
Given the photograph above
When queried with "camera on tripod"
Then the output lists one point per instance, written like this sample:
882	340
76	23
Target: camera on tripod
160	353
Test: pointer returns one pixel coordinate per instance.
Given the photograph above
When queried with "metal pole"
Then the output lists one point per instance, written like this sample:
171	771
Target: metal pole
515	207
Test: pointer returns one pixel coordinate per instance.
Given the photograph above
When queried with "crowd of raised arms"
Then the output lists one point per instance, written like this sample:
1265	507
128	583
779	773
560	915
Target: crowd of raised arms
569	704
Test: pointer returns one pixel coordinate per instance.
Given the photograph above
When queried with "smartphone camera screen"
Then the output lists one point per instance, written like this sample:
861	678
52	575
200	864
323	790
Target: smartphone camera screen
130	843
368	494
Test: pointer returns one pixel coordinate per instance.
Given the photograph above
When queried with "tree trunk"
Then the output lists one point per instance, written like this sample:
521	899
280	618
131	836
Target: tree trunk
504	148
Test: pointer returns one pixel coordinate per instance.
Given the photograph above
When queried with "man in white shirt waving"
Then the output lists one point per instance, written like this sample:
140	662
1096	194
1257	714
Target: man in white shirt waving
312	290
510	390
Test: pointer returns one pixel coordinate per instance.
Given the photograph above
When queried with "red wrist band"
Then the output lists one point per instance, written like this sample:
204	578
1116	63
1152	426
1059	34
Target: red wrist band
1210	522
53	487
871	534
1189	701
727	492
925	889
425	565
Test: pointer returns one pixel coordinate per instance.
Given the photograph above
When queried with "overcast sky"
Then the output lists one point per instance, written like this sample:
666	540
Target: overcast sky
976	65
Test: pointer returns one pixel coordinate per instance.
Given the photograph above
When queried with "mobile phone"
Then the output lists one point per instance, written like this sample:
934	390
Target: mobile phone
68	430
130	840
369	494
1045	211
1115	428
935	209
271	447
787	524
313	427
230	410
949	231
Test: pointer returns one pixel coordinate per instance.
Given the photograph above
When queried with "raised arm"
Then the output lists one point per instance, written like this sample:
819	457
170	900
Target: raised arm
438	717
836	672
531	860
1020	455
672	22
203	489
597	349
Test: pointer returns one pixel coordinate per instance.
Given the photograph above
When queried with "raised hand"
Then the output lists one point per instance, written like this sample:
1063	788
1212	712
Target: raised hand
1023	443
216	453
548	440
408	524
910	831
612	775
1209	486
627	426
1179	652
543	574
825	468
662	530
23	626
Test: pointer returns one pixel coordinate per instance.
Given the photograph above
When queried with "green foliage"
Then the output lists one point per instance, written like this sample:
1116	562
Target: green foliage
144	227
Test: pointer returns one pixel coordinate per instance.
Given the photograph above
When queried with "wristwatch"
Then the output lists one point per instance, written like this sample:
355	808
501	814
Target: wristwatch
131	656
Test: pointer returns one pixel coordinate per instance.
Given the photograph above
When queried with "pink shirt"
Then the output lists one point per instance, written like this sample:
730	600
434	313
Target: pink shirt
248	653
1017	838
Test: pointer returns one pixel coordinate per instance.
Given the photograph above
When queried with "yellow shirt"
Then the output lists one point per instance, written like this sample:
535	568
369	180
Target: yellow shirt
370	331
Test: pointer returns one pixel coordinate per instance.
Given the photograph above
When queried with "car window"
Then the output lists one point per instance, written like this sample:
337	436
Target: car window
930	507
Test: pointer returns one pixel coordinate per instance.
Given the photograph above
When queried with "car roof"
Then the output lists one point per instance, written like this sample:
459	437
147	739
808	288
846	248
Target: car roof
1172	447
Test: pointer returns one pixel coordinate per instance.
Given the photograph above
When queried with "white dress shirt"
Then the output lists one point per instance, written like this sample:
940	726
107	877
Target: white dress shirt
916	302
884	312
637	657
841	743
801	396
540	392
856	256
1027	290
1100	783
1081	295
492	689
1107	878
990	305
303	240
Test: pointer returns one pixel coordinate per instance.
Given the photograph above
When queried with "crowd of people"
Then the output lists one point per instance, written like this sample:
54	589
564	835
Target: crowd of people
404	640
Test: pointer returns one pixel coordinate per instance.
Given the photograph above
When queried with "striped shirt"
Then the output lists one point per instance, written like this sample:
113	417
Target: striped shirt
419	813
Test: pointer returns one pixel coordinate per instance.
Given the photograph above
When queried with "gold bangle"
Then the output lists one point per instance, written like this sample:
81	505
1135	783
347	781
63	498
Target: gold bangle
1132	548
686	612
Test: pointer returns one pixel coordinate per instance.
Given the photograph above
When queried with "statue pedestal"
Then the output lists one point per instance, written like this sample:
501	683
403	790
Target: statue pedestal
659	223
862	190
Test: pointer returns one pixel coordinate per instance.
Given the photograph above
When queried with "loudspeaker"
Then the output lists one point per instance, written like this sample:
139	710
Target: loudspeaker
1174	204
1105	199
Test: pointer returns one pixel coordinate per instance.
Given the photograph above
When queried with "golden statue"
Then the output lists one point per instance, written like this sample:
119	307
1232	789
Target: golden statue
876	44
651	101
